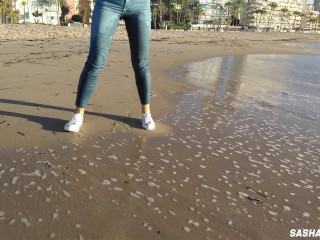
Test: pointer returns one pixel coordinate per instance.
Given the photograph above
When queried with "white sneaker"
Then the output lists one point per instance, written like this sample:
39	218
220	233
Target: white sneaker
147	121
74	124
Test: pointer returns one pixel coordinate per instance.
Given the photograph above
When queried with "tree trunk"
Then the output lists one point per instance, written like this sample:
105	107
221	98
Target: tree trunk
58	11
169	10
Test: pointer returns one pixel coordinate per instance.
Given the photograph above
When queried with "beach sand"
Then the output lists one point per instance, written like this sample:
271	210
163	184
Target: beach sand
204	173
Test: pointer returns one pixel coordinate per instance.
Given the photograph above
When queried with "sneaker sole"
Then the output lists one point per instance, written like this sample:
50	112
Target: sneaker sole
72	130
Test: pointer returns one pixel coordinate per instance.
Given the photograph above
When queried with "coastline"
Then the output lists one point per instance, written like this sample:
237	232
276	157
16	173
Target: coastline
34	46
115	181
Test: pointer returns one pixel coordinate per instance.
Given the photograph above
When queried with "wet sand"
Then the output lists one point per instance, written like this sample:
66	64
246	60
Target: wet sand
211	170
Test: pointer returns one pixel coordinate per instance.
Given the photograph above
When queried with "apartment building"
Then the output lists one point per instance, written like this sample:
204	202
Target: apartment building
280	18
28	9
50	14
272	19
73	9
211	10
89	6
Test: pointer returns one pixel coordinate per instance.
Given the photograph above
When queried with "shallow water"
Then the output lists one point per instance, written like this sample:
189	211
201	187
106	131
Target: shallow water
288	84
310	46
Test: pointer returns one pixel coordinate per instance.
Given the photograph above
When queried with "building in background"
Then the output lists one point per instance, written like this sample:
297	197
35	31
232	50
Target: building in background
272	15
78	7
316	5
73	9
32	11
88	6
262	15
211	10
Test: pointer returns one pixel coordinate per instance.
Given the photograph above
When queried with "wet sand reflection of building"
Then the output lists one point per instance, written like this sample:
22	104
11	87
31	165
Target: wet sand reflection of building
221	80
237	82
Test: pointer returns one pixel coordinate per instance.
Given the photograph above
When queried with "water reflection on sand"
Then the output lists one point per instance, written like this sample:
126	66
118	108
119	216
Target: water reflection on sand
287	84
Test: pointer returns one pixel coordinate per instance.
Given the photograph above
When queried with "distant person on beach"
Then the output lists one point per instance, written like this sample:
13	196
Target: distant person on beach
106	16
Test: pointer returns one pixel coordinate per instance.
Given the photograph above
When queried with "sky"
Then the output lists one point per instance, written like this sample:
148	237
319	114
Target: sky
310	1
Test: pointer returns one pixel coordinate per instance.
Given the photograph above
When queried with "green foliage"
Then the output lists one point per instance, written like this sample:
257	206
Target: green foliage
77	18
37	15
63	23
65	10
7	11
83	12
170	25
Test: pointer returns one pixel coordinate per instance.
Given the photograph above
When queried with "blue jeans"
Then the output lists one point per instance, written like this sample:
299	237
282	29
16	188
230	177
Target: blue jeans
106	15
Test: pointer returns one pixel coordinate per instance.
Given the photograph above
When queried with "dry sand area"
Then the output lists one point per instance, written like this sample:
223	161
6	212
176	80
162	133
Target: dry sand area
209	171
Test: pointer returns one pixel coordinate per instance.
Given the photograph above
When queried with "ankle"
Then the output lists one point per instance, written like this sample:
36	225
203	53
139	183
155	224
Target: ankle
79	111
145	108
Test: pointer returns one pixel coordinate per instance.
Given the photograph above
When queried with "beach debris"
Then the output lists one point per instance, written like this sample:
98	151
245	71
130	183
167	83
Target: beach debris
66	193
35	173
186	229
19	150
14	180
229	222
253	190
305	214
106	182
254	200
272	213
286	208
81	171
26	222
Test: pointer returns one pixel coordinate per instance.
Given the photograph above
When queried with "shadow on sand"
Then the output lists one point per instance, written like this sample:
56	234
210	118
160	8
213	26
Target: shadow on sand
56	124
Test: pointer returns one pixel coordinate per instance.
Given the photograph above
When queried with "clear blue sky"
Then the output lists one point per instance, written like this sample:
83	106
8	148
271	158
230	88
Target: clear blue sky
310	1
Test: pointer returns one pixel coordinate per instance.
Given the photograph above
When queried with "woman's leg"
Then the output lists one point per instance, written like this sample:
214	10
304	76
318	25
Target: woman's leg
103	27
138	28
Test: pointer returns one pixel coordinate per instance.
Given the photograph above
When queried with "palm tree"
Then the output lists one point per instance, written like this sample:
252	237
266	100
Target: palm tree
65	10
272	6
316	21
284	11
259	13
295	13
228	6
24	4
6	8
162	10
37	15
84	13
60	4
302	15
186	7
312	23
310	19
199	12
235	8
2	10
240	4
183	10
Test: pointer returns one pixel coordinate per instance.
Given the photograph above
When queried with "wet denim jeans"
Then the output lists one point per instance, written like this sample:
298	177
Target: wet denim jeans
106	15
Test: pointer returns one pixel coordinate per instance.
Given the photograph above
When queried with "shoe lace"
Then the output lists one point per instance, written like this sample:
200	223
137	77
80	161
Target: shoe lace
75	119
147	118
